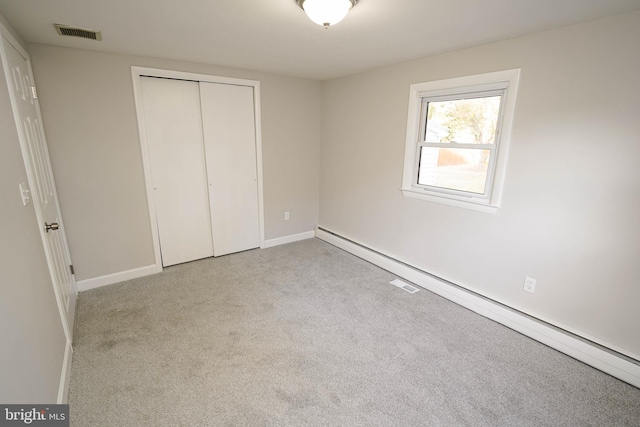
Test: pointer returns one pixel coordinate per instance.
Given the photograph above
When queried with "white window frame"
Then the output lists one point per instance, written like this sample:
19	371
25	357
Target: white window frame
452	89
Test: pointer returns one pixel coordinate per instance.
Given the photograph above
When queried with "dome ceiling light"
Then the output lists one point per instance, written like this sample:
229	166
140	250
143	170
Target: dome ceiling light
326	12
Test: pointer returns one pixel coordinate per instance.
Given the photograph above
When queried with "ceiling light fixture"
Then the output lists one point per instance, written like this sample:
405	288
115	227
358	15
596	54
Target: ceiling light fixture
326	12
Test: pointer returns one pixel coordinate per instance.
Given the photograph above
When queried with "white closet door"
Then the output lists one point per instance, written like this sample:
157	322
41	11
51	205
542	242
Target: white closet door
173	126
230	145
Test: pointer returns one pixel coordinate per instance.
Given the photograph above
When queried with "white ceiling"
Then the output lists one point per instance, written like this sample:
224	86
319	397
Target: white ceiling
276	36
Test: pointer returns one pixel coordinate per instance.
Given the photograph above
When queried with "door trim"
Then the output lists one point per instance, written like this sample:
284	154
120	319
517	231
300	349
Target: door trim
136	74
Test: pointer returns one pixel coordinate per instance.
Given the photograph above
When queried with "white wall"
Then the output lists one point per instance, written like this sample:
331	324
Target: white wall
31	333
570	215
89	116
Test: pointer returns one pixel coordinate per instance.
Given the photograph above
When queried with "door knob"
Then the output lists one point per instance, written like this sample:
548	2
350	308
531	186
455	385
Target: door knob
53	226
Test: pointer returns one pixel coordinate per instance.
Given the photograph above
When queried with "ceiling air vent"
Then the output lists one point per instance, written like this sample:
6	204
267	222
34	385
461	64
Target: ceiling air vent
65	30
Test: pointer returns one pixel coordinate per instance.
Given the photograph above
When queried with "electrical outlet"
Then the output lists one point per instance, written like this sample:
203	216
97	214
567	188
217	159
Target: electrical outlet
529	284
286	216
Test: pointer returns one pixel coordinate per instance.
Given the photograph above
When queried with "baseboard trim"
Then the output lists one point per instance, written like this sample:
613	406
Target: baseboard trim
65	375
288	239
109	279
602	358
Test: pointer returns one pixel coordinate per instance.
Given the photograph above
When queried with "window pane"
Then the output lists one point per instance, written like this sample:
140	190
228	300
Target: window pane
466	121
463	169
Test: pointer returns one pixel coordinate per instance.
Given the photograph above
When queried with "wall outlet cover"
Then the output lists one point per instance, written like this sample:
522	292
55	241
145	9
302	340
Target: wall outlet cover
529	284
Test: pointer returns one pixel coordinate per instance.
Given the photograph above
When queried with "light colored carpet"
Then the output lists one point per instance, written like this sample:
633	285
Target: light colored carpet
308	335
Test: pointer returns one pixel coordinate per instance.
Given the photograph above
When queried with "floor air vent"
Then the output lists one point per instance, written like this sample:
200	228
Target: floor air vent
65	30
402	285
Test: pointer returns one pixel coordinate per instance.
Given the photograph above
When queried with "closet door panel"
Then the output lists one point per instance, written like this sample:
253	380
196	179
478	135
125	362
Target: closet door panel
230	146
173	127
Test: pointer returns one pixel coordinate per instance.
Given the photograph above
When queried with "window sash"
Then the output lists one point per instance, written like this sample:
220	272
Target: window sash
467	194
466	94
499	89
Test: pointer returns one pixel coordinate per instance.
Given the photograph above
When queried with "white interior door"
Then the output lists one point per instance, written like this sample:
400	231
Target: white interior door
36	155
228	121
173	126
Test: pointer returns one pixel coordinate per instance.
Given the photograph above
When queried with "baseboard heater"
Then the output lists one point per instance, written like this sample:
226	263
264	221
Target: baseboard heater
601	357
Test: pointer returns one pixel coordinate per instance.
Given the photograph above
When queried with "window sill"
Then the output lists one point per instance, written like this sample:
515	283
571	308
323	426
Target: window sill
450	200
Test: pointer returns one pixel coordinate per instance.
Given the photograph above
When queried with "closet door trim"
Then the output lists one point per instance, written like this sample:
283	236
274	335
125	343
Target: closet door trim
137	73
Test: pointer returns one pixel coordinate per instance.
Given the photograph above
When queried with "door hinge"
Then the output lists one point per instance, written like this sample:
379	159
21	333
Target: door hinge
34	92
71	269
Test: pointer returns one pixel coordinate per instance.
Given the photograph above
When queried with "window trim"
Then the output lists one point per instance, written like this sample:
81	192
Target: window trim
507	80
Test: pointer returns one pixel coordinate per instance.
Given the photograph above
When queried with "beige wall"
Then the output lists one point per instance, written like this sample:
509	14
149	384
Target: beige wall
89	116
570	215
31	332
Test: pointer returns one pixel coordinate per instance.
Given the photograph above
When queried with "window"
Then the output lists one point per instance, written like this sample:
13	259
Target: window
457	139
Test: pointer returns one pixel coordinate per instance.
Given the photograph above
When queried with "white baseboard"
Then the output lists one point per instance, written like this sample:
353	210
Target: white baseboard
600	357
109	279
288	239
65	375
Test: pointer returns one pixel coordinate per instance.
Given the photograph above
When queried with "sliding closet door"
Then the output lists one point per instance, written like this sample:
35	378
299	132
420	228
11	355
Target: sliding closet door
173	126
230	146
